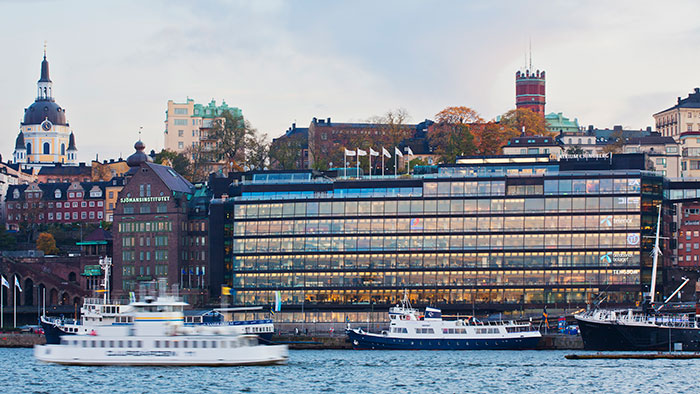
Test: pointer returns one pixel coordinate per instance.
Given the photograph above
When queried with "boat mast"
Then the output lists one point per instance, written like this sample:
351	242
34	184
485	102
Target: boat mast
106	264
656	252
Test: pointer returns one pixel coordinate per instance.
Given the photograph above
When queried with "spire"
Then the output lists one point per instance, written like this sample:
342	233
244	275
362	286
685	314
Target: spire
44	68
19	142
71	142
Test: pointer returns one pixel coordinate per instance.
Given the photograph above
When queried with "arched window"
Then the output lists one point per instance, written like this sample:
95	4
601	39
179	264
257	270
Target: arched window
57	193
63	149
47	148
29	148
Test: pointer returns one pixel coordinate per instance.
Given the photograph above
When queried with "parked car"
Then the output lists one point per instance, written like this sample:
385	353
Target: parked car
31	329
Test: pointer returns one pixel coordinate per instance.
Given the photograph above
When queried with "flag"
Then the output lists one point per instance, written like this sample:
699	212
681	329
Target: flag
544	317
5	282
349	152
278	301
373	152
409	151
225	290
132	296
397	152
361	152
183	271
17	285
386	153
272	311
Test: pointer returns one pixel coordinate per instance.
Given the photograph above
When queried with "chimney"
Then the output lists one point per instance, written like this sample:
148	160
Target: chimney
294	126
649	128
314	120
697	90
328	121
617	127
679	100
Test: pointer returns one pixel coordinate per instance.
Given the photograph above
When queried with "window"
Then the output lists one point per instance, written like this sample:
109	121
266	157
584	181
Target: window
57	194
181	133
71	195
180	122
92	204
47	148
100	203
83	204
180	111
180	145
83	215
75	215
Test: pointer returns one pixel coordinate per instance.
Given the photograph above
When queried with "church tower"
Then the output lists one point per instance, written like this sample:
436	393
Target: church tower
45	134
530	89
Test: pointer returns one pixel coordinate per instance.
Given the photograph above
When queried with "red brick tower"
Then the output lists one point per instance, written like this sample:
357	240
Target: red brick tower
529	91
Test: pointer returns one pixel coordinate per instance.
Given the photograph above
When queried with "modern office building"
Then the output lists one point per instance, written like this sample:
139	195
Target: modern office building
498	233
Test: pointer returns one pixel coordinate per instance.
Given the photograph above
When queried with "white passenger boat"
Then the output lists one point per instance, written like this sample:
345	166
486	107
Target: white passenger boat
409	330
157	335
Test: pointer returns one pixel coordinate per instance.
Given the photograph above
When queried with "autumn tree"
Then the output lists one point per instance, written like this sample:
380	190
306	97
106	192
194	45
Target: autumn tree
200	158
452	134
232	134
286	152
575	150
517	120
491	137
46	243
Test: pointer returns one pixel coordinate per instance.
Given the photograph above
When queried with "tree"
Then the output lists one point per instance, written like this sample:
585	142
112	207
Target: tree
46	243
451	135
491	137
285	152
257	151
199	166
231	133
177	161
533	123
575	150
7	241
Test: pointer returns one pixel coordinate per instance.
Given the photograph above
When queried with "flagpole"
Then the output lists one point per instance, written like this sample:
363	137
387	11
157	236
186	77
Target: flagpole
2	311
357	151
382	162
395	163
370	163
345	162
14	301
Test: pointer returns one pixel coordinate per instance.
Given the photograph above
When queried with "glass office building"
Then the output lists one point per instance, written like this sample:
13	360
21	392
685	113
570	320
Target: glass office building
487	235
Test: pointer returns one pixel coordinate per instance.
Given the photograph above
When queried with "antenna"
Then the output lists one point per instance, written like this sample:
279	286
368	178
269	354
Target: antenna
530	53
140	128
44	49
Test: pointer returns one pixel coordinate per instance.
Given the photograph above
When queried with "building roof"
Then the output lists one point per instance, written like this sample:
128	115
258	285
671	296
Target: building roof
654	139
19	142
71	142
174	181
44	70
99	234
62	170
558	122
692	101
48	190
42	110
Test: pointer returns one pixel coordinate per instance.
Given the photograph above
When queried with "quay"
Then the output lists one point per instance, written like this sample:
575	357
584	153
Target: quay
633	356
21	340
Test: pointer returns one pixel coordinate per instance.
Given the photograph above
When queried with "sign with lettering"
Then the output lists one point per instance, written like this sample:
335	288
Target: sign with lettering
125	200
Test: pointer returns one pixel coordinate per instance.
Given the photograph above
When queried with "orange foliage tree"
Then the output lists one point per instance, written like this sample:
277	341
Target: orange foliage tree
453	133
515	120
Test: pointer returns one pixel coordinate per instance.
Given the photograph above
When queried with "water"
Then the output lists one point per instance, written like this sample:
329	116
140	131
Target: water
346	371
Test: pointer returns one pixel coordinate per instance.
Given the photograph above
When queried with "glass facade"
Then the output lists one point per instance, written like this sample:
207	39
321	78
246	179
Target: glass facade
500	243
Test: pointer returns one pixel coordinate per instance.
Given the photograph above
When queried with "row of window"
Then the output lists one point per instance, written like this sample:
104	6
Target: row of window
74	204
159	240
145	208
130	255
437	243
130	227
166	344
440	225
459	297
130	270
439	207
593	277
460	261
60	216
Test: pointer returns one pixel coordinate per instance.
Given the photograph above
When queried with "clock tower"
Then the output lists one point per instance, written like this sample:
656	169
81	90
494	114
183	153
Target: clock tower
44	132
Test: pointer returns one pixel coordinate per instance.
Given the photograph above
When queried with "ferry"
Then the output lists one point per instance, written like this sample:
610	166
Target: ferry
654	326
101	311
409	330
157	336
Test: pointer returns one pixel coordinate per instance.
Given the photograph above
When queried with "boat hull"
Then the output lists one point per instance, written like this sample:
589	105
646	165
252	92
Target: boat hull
614	336
376	342
256	355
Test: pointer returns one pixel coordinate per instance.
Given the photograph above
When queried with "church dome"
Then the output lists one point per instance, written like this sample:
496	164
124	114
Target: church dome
138	157
41	110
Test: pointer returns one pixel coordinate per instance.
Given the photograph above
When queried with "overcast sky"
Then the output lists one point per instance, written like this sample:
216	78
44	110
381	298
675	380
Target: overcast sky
115	64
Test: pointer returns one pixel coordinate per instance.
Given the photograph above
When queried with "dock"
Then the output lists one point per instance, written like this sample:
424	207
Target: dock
633	356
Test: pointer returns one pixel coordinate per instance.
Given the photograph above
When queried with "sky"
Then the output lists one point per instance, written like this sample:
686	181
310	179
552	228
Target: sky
115	64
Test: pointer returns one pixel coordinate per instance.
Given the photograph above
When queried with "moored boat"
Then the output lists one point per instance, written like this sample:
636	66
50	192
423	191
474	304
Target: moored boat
409	330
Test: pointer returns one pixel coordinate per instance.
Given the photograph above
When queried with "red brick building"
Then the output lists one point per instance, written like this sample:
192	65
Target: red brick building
45	203
689	235
530	90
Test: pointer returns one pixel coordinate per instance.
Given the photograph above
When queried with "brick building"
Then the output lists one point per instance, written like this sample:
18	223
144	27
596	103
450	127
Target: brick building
689	235
40	203
153	235
530	90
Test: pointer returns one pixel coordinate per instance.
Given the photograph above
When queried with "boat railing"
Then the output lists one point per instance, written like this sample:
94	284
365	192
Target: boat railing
629	316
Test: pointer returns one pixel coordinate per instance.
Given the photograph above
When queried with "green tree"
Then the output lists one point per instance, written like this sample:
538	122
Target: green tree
177	161
286	151
257	151
7	241
232	134
46	243
575	150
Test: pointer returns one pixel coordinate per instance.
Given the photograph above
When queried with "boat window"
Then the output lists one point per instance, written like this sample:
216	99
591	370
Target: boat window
213	344
175	344
111	343
63	341
204	344
184	344
128	344
157	344
194	344
84	343
234	344
121	343
102	344
139	344
167	344
223	343
424	331
94	343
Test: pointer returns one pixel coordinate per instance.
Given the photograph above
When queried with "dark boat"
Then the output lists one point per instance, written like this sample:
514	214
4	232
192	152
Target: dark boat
655	326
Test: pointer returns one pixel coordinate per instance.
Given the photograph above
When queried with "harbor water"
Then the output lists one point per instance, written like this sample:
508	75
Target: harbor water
348	371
